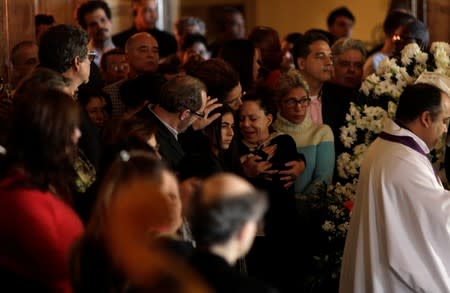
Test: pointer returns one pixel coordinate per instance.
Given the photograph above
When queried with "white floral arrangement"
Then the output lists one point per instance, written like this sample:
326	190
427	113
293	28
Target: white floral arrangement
380	93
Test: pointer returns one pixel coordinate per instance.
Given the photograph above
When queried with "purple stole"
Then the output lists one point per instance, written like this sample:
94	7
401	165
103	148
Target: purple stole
409	142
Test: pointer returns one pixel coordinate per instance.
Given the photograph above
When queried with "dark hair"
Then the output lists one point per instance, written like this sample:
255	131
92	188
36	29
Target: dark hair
416	99
60	44
91	6
293	37
268	41
85	95
19	46
144	87
240	55
125	133
419	31
264	96
218	76
223	17
187	21
180	93
115	51
216	221
340	11
190	39
301	47
43	19
214	130
43	122
394	20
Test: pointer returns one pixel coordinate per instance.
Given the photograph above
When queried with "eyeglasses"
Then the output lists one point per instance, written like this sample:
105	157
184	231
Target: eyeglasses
120	67
292	102
200	115
91	56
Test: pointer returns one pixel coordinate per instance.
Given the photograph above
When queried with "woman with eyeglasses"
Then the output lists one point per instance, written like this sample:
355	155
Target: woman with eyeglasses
315	141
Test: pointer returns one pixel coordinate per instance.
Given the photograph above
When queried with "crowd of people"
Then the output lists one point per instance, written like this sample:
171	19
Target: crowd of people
152	162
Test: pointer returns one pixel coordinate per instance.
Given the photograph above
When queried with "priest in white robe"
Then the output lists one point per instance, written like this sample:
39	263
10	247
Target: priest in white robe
399	236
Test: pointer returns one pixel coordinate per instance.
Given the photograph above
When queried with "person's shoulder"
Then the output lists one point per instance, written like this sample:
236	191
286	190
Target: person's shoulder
121	38
161	34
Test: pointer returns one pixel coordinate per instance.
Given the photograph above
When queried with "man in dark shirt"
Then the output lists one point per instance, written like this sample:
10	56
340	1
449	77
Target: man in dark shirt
145	17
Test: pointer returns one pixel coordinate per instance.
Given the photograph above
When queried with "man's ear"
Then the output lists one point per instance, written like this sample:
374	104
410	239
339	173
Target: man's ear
426	119
184	114
301	63
269	119
244	231
77	63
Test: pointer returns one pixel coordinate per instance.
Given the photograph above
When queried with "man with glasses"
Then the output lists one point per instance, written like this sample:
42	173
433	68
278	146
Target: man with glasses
182	102
114	66
64	49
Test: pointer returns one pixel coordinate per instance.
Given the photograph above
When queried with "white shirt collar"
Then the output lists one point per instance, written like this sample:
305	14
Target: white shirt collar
170	128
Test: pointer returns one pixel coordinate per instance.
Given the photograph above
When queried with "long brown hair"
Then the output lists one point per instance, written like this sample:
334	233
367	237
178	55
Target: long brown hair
40	140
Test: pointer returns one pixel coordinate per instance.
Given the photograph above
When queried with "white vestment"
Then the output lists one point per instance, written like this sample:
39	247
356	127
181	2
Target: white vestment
399	237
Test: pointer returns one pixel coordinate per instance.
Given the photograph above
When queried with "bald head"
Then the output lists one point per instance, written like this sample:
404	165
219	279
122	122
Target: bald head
142	53
225	185
223	206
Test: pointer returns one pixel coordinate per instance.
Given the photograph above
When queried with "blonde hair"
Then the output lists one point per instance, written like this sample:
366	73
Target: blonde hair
290	80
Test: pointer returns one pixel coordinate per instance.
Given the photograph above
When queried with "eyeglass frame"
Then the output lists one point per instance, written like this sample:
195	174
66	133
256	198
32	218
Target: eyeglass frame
120	66
304	102
91	55
198	114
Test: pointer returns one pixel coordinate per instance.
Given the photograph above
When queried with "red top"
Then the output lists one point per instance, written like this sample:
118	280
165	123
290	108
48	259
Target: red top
37	230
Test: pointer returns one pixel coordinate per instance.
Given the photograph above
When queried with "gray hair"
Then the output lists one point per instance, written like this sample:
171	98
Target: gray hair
187	21
344	44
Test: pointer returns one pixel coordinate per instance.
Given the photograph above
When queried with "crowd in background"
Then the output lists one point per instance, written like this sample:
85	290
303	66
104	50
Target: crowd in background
146	161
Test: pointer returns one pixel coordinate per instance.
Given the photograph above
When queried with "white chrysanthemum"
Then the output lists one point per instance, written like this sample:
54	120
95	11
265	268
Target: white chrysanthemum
328	226
341	162
422	58
409	53
369	83
387	66
354	111
348	135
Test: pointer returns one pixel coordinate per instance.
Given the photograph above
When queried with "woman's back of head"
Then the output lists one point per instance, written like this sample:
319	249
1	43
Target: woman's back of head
42	136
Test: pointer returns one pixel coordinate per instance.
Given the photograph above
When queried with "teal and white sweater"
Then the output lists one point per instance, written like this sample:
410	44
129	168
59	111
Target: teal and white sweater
316	143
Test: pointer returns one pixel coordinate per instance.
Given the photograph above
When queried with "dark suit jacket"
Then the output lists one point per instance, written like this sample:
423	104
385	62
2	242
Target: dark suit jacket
222	277
335	105
169	147
166	42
